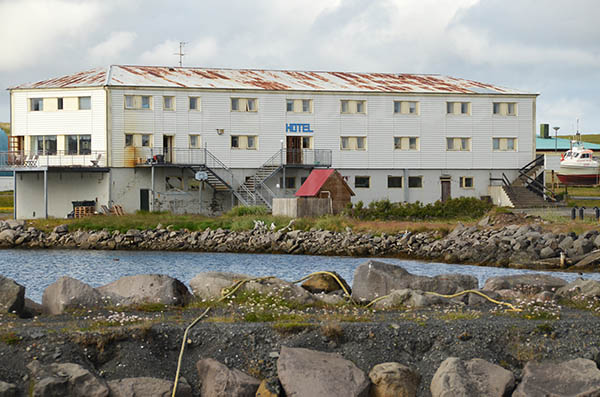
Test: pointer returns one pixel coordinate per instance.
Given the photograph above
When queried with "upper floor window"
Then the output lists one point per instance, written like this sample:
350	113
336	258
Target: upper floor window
36	104
504	144
138	102
458	108
195	141
168	103
59	103
244	104
406	107
249	142
43	144
458	144
78	144
349	106
406	143
85	103
299	105
504	108
194	103
137	140
353	143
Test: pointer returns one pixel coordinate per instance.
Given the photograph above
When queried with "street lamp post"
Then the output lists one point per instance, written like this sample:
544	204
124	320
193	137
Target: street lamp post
556	138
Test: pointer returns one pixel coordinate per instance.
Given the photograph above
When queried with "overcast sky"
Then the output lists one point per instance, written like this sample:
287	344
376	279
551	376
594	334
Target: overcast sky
551	47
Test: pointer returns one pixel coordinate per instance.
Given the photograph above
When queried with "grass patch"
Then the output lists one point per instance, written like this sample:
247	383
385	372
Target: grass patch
459	315
545	328
333	331
10	338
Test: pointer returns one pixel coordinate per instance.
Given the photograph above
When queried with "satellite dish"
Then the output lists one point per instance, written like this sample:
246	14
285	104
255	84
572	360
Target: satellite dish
201	176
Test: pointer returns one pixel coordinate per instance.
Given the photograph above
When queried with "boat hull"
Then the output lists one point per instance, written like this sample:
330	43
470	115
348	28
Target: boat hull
579	179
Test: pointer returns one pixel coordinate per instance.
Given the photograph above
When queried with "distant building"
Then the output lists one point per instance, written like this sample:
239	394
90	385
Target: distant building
6	177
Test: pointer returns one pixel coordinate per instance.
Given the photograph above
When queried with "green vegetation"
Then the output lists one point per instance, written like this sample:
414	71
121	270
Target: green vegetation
10	338
5	127
590	138
6	202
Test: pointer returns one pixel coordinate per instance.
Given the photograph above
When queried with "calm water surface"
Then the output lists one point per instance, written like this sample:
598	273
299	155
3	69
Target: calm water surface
36	269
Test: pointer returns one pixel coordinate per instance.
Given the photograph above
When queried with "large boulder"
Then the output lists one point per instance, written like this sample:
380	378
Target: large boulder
579	377
219	381
408	298
66	379
589	261
587	289
148	288
530	283
8	390
148	387
305	372
393	380
12	296
208	285
322	282
373	279
281	288
7	237
472	378
67	293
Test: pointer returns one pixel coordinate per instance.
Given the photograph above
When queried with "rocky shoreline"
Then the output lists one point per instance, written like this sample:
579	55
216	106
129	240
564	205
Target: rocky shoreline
519	246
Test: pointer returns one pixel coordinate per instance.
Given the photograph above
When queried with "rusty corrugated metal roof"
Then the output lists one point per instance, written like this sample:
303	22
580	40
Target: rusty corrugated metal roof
271	80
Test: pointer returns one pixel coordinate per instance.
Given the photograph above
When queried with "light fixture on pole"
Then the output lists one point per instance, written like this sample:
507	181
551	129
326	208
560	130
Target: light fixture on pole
556	138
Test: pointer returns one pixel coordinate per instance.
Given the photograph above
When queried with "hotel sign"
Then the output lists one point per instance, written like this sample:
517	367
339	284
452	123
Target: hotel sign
297	127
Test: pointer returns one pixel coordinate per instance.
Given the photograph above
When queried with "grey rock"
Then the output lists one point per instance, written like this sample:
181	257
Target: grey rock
12	296
580	288
579	377
208	285
566	243
148	288
67	293
8	236
597	242
547	252
281	288
66	379
148	387
14	223
475	299
8	389
409	298
583	246
589	261
219	381
393	380
304	372
472	378
61	229
534	283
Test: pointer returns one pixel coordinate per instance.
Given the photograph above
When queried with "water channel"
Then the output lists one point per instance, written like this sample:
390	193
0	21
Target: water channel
36	269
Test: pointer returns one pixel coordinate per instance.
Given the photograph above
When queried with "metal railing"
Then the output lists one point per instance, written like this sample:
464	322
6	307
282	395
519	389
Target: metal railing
57	158
310	157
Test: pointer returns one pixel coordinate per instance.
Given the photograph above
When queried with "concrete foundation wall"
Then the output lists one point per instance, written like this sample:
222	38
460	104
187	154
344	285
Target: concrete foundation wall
499	197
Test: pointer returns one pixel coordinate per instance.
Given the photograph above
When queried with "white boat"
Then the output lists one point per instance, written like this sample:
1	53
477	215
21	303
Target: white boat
578	166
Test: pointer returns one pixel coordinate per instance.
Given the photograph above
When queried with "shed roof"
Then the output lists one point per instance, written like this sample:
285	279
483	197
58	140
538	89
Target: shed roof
271	80
561	144
315	181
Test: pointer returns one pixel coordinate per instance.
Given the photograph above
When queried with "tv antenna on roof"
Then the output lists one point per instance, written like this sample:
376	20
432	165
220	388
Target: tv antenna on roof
181	53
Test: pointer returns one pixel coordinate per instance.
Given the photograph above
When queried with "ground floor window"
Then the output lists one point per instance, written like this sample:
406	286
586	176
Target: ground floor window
466	182
415	181
362	181
290	182
78	144
43	144
249	142
394	181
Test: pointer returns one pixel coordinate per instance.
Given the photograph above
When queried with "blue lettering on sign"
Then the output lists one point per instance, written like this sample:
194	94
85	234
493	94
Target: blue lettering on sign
297	127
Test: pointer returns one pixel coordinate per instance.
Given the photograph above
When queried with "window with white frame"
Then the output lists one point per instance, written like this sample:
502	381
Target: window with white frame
394	181
504	108
298	105
406	107
168	103
504	144
195	141
362	181
43	144
36	104
415	181
85	102
78	144
146	140
139	140
244	104
406	143
458	144
463	108
307	142
248	142
128	140
466	182
138	102
60	104
353	143
351	106
194	103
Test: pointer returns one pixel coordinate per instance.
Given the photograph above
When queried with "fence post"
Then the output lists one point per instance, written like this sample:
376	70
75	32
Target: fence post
581	212
573	213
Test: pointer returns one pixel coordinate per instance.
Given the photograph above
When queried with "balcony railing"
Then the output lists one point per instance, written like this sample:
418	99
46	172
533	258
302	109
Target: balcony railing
57	158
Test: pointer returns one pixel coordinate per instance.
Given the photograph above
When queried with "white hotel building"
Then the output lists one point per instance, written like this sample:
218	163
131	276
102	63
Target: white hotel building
137	136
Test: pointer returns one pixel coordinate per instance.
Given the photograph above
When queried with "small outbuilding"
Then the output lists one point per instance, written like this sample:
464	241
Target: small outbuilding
324	192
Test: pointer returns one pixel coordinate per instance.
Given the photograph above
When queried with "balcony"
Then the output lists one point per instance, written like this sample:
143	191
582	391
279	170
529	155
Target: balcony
23	160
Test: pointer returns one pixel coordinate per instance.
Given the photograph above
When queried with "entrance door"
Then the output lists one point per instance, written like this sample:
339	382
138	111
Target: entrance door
294	150
168	148
145	199
445	189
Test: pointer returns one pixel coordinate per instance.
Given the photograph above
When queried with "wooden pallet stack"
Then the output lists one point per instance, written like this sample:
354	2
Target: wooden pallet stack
79	212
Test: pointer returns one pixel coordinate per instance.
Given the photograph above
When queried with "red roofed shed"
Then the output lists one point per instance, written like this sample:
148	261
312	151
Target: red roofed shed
327	184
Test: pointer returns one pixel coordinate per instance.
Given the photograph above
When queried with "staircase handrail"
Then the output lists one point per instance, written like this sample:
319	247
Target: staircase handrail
209	155
539	160
505	180
538	187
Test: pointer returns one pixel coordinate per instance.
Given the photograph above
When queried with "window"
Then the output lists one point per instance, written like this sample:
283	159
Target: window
128	140
244	104
504	108
249	142
194	103
195	141
290	182
504	144
307	142
298	105
85	103
43	144
394	181
362	181
458	144
59	104
406	143
168	103
146	140
36	104
353	143
353	106
405	107
78	144
458	108
415	181
138	102
466	182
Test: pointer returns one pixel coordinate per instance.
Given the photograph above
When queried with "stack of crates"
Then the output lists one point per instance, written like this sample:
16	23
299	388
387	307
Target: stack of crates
83	208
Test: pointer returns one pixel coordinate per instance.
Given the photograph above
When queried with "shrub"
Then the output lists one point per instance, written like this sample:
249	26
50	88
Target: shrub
242	210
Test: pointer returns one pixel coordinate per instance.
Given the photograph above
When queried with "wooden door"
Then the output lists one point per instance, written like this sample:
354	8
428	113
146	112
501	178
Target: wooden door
145	199
294	150
168	148
446	194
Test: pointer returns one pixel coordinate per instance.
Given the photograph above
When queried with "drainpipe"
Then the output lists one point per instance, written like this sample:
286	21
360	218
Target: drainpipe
46	194
15	194
152	176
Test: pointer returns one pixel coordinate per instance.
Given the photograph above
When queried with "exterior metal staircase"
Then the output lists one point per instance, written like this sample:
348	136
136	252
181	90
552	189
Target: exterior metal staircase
528	189
256	183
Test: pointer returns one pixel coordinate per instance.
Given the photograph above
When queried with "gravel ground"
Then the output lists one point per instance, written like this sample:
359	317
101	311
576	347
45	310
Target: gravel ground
147	344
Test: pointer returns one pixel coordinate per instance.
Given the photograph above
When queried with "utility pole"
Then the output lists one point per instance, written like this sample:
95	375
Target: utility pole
181	53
